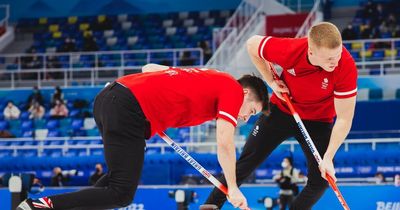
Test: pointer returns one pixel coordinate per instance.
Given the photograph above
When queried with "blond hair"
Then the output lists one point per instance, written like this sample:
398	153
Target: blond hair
326	35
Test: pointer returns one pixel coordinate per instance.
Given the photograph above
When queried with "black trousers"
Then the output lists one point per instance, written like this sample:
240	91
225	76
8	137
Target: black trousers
268	133
285	201
122	125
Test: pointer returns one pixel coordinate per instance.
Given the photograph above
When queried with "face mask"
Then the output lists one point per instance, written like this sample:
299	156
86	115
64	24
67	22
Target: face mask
378	180
284	164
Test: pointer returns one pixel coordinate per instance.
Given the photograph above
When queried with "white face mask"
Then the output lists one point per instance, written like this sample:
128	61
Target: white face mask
284	164
378	180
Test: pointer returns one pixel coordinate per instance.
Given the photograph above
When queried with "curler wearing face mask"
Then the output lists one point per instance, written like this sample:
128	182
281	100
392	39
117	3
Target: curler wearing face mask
284	164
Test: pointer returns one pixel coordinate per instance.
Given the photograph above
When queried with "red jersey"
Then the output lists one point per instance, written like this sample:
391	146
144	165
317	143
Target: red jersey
180	97
312	88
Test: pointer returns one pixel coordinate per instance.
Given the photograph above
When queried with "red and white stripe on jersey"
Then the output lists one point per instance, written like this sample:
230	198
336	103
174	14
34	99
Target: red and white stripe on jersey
228	117
43	203
262	46
346	94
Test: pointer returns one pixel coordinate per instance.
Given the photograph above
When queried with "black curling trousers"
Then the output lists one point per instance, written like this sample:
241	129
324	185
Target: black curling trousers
123	128
267	134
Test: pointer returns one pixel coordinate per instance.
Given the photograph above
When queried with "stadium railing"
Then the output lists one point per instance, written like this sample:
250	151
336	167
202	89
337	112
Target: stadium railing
226	39
382	50
299	5
93	68
313	16
73	143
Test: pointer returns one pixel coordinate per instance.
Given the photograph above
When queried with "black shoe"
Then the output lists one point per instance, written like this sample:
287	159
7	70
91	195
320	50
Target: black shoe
208	207
40	204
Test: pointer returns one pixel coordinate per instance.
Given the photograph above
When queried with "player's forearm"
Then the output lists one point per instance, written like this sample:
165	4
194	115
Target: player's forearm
339	133
345	113
264	69
226	151
227	160
261	64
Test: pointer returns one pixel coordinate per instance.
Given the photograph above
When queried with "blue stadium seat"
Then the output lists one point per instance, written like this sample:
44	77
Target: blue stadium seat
27	134
52	152
53	133
56	142
376	72
96	142
16	143
151	150
30	143
79	133
355	55
82	153
16	132
93	132
65	131
82	142
40	123
21	105
24	116
386	35
3	125
71	153
172	132
4	143
74	113
12	66
77	124
27	125
378	54
130	63
368	45
70	105
99	152
375	94
65	122
52	124
28	153
185	131
14	124
77	152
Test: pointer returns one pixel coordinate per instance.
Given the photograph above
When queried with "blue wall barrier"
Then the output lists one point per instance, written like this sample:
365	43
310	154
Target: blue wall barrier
385	197
384	83
377	115
21	95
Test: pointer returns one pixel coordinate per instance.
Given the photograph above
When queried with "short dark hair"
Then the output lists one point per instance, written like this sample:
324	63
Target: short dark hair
290	159
258	87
